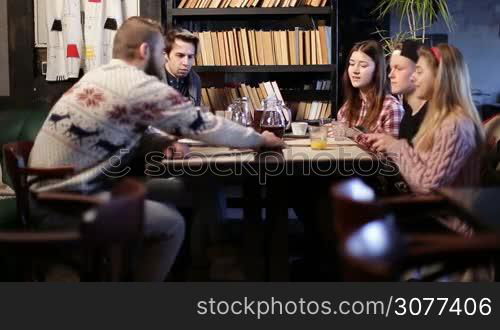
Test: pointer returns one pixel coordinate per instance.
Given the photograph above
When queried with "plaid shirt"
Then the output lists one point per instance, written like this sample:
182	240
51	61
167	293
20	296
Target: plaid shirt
388	120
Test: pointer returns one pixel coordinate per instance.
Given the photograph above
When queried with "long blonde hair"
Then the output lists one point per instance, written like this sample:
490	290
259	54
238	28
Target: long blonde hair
451	96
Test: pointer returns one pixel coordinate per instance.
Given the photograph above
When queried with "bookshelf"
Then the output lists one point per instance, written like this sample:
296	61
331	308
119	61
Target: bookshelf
265	68
177	12
266	19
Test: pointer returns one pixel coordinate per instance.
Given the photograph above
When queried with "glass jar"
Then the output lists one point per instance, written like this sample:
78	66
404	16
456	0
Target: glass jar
241	113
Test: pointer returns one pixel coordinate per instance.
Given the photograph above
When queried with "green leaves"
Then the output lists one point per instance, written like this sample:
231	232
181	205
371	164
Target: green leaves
419	14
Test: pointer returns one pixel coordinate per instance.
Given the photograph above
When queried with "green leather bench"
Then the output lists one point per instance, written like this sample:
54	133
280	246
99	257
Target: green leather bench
16	125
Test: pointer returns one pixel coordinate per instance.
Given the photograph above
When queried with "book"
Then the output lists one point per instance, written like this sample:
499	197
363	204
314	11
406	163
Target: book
181	4
215	48
324	45
277	91
205	100
222	49
307	48
284	47
277	47
254	59
229	53
301	48
319	54
312	37
245	44
269	88
268	48
203	49
198	60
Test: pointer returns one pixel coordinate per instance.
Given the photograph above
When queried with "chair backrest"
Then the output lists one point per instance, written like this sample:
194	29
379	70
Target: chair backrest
111	233
492	132
16	156
354	205
115	229
19	125
392	253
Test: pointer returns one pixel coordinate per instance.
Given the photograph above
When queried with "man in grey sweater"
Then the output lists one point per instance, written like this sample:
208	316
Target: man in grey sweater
103	118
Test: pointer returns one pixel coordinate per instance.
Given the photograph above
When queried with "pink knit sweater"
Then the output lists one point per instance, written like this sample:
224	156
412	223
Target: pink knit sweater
453	160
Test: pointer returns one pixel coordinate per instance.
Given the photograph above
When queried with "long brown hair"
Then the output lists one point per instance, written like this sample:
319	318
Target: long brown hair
377	89
451	95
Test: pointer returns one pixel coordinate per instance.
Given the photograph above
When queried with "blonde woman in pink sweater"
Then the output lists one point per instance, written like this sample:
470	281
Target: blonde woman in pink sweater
447	148
448	145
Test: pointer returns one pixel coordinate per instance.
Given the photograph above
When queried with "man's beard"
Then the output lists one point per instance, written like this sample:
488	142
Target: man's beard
153	69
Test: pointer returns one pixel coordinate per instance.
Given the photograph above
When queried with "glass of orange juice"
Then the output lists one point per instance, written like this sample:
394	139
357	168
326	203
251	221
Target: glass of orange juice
318	137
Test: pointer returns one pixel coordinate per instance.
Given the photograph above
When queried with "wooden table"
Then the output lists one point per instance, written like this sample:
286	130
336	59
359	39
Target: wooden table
271	169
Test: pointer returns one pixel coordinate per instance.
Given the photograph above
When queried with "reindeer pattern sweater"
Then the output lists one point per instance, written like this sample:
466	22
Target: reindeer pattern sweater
99	122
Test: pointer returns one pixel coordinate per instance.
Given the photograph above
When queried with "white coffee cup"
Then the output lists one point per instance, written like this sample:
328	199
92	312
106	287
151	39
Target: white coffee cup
299	128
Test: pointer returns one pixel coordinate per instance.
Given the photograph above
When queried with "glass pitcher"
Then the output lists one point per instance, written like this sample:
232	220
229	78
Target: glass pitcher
287	113
273	119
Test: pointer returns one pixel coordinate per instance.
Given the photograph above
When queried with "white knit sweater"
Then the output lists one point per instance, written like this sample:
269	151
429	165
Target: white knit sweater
99	122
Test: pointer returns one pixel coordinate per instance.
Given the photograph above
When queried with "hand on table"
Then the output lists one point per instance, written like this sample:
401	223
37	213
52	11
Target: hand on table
378	142
176	151
271	140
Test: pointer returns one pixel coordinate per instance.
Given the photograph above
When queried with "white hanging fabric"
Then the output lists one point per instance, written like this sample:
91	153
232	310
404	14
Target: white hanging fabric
102	20
93	30
56	66
69	42
64	48
113	14
73	38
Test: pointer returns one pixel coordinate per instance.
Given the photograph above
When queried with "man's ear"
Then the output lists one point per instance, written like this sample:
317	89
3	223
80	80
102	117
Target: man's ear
144	51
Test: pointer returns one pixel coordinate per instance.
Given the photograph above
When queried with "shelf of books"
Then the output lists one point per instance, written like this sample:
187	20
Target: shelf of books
235	4
265	68
251	11
293	46
251	47
221	98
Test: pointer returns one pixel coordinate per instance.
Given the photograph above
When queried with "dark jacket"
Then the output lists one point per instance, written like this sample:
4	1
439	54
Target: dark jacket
194	87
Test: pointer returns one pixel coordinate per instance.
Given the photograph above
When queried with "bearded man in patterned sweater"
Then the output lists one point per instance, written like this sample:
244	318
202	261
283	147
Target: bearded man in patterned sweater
102	120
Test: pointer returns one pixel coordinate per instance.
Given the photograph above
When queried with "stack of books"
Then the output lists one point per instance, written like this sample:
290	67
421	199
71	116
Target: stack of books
251	47
313	110
221	98
251	3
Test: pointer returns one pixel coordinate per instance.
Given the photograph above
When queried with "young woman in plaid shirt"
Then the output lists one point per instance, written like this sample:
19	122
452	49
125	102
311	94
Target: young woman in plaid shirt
368	104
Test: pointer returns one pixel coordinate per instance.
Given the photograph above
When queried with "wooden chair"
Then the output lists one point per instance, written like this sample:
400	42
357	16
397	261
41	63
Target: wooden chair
16	159
113	233
492	155
114	225
378	251
355	204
